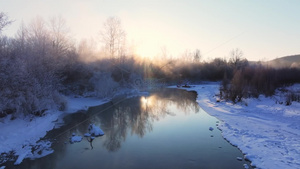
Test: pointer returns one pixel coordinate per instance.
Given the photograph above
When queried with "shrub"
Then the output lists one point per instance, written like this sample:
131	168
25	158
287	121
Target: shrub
292	96
255	80
103	84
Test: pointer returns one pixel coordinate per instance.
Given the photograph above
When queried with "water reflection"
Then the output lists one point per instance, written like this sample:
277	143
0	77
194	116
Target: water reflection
136	116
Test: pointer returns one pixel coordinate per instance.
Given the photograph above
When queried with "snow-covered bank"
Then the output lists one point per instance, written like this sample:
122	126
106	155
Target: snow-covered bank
81	103
267	133
20	135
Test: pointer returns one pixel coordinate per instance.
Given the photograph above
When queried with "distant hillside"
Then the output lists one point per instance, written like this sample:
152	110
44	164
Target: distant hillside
286	61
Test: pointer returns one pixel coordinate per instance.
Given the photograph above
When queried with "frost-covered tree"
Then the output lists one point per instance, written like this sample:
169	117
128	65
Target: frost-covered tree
59	34
87	50
38	37
30	81
4	21
113	36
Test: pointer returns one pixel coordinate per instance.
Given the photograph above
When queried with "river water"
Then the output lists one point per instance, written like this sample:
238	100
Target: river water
166	129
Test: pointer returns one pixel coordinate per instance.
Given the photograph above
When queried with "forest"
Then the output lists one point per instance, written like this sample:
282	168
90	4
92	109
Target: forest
42	64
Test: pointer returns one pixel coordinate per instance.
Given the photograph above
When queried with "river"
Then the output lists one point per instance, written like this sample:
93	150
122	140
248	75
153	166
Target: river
166	129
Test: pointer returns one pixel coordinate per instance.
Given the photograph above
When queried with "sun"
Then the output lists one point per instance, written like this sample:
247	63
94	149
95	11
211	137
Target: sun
146	50
144	100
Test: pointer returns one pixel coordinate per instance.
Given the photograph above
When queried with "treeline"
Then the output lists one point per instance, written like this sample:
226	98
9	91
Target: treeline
239	78
42	64
194	71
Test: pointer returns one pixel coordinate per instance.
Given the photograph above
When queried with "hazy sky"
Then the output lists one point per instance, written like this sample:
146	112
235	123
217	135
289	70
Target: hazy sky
262	29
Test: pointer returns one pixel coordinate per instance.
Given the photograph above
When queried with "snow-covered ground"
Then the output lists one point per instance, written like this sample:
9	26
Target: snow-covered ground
81	103
267	133
21	134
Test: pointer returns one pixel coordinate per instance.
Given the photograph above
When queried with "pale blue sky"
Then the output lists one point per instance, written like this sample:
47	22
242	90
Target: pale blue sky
262	29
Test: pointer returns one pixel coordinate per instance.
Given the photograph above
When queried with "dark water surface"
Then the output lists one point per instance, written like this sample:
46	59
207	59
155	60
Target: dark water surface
166	129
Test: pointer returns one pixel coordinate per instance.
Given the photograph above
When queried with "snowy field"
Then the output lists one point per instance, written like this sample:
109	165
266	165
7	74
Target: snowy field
21	134
267	133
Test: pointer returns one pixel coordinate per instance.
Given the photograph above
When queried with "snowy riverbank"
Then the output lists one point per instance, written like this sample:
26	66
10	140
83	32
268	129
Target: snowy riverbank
267	133
19	136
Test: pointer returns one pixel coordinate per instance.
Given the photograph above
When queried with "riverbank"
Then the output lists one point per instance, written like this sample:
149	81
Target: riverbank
266	132
19	136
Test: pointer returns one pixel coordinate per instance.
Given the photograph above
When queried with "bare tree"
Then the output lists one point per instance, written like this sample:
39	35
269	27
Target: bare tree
190	56
113	37
4	21
59	35
164	52
87	50
38	37
186	55
197	55
20	40
236	59
236	56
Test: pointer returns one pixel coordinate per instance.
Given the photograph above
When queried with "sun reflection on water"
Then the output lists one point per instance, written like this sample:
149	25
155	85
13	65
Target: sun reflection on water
147	102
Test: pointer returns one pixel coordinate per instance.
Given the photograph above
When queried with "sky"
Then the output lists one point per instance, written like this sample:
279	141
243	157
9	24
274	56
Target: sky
262	29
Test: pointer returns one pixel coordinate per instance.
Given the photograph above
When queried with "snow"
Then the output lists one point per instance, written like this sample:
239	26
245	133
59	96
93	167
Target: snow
95	130
22	134
21	157
81	103
239	158
87	135
267	133
246	166
42	148
75	139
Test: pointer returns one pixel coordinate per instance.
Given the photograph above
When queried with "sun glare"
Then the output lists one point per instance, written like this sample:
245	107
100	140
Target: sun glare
144	100
147	102
147	50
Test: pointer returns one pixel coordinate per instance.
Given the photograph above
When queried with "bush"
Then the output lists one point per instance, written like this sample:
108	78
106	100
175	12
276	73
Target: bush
292	96
255	80
103	84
